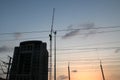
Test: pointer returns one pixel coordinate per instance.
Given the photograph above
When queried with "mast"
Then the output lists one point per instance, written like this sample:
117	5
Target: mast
55	55
50	35
102	70
68	71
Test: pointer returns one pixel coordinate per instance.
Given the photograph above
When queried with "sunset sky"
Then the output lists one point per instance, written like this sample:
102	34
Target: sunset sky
87	31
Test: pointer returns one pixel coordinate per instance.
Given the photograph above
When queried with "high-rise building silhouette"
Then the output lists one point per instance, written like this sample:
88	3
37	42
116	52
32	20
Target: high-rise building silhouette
30	61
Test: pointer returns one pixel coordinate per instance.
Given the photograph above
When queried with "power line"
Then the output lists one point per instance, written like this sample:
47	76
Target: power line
89	60
95	48
44	31
100	32
95	44
24	32
90	28
22	39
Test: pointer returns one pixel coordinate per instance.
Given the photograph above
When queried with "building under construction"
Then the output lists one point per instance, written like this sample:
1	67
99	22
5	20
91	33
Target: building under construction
30	61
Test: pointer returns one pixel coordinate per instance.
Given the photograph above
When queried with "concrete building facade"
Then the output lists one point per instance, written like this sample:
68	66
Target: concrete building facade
30	61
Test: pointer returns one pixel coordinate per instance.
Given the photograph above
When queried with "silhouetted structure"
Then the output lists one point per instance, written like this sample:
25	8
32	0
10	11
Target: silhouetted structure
30	61
102	70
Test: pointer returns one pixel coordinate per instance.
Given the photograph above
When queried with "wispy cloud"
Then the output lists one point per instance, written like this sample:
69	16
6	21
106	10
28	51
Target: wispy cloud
4	49
87	26
75	30
89	33
117	50
71	34
17	35
74	71
62	77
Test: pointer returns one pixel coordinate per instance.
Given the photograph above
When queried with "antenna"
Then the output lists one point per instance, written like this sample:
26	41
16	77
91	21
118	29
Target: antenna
50	35
102	70
68	71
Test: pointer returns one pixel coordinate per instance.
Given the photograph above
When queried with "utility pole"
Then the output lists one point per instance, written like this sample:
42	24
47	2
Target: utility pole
8	70
50	35
68	71
55	55
102	70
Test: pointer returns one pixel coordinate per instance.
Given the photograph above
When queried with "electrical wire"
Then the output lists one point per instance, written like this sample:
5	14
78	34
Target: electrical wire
103	43
44	31
100	32
96	48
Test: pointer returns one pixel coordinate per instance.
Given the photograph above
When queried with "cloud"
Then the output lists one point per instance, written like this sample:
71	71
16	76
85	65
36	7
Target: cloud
75	31
4	49
88	26
114	76
74	71
90	32
71	33
62	77
17	35
117	50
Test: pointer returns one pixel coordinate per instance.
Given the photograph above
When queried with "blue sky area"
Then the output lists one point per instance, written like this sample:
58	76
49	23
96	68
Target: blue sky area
19	15
81	16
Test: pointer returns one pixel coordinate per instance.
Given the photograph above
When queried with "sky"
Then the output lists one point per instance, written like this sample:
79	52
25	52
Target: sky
87	31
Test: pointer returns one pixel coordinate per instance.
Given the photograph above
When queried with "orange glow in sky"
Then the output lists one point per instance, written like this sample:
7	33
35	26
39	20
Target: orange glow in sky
86	76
